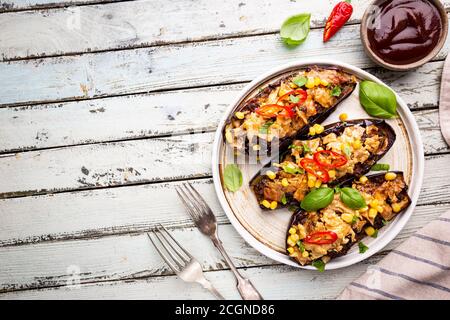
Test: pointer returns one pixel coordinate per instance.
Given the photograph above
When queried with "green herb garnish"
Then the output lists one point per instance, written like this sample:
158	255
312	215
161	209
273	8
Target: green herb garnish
294	99
295	147
347	151
306	148
317	199
336	91
295	29
375	234
378	100
352	198
384	222
319	265
284	199
362	247
301	246
265	127
354	219
300	81
291	168
380	167
232	177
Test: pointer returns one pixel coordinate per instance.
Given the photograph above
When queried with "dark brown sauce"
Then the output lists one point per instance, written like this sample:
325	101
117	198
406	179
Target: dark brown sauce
407	30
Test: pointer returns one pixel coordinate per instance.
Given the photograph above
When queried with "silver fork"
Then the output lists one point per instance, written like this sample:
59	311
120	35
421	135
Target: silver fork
179	260
205	220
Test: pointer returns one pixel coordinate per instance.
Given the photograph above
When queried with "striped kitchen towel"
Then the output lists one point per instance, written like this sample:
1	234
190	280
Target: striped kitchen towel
417	269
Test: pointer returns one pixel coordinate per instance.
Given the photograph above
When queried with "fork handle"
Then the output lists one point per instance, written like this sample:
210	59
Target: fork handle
244	286
207	285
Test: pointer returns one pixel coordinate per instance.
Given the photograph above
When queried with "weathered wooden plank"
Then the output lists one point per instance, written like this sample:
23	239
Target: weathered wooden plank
138	208
178	112
166	67
132	256
19	5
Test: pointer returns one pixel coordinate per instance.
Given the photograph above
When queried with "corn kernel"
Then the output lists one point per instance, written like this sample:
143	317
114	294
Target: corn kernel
319	149
294	237
293	85
271	174
312	131
305	254
312	177
364	209
239	115
284	182
290	242
374	203
266	204
390	176
256	147
356	144
363	179
396	207
229	137
311	183
281	92
310	83
343	117
332	173
318	184
316	81
325	83
380	209
347	217
319	128
373	213
369	231
292	231
273	205
290	250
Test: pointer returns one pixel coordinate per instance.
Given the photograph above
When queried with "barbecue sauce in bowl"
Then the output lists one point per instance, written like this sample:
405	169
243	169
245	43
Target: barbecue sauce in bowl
404	31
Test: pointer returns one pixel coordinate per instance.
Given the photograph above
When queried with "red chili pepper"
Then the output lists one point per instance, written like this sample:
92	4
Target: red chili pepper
338	17
311	166
321	237
330	159
273	110
300	92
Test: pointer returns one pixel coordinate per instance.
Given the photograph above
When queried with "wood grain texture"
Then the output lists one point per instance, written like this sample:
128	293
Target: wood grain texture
132	256
20	5
166	67
138	23
179	112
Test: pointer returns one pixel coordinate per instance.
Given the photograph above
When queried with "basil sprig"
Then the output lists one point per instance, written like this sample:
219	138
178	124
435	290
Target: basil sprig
300	81
317	199
352	198
232	177
362	247
378	100
380	167
319	265
295	29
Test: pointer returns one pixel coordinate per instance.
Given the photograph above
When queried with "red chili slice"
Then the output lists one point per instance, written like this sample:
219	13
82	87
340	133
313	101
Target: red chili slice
321	237
330	159
299	92
311	166
338	17
273	110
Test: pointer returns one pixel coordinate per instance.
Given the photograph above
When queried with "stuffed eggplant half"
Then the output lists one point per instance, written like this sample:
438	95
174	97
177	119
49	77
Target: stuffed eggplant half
287	108
328	156
315	237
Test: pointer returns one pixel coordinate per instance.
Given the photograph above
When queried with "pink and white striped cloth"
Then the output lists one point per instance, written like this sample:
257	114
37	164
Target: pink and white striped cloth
417	269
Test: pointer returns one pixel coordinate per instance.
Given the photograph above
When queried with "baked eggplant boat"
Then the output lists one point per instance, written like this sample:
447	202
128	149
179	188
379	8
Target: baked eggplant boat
287	108
331	155
315	237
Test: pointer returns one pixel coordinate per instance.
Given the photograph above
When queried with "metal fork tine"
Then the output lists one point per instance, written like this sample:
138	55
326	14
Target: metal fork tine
179	249
166	246
199	198
165	258
194	215
199	208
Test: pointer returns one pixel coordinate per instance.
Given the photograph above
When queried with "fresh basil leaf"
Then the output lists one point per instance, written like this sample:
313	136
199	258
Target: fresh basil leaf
291	168
294	99
306	148
265	127
284	199
317	199
347	151
352	198
354	219
295	29
301	246
293	146
375	234
362	247
336	92
300	81
378	100
380	167
319	265
232	177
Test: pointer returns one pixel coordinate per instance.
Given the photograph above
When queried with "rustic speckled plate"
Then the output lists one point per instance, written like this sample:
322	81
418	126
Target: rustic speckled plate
266	230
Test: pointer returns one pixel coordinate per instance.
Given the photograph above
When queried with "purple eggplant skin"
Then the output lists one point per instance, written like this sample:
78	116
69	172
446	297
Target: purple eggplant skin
300	215
322	115
258	181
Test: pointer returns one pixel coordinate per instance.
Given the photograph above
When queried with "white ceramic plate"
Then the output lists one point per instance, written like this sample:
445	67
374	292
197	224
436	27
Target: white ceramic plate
266	230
